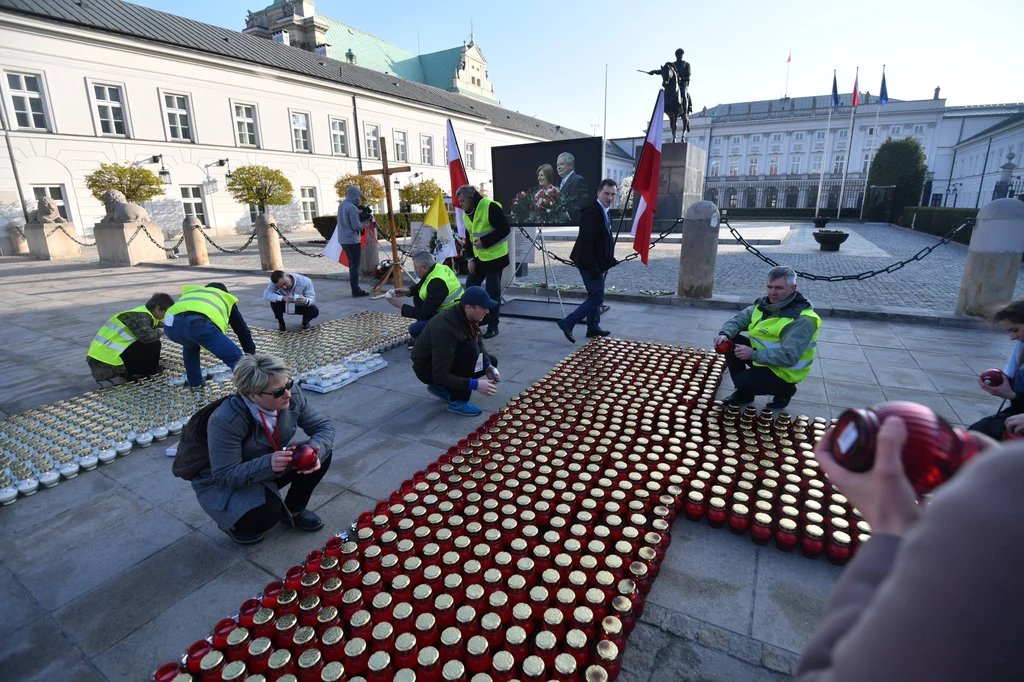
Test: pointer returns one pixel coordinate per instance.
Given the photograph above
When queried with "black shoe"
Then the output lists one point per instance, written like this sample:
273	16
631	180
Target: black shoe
780	401
306	520
597	333
280	326
244	538
738	398
305	325
490	333
360	293
567	330
605	308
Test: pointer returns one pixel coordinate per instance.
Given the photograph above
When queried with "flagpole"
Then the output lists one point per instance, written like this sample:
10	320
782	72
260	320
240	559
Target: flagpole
785	93
849	146
625	204
871	155
828	132
604	128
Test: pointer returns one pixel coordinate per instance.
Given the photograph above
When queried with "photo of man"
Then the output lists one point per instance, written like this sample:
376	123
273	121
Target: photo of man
572	184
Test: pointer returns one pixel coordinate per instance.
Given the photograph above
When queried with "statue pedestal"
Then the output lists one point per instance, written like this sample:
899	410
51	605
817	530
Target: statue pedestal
46	241
681	181
112	242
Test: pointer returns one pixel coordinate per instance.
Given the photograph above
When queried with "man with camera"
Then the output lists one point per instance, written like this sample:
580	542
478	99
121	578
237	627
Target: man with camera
292	293
352	220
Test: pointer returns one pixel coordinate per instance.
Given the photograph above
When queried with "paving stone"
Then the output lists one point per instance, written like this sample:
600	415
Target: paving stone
19	607
714	638
779	660
929	398
683	661
956	384
745	648
642	648
38	652
944	362
904	377
655	615
840	351
846	394
842	370
887	357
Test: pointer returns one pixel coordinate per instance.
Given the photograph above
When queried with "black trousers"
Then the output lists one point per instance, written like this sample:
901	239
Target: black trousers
141	359
308	312
750	380
300	489
995	426
464	365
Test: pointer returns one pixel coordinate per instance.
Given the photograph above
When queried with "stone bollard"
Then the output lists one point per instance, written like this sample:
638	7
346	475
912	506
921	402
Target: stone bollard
269	242
195	243
993	258
18	238
699	251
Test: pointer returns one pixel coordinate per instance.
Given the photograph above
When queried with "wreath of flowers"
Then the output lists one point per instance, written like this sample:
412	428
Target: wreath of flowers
382	268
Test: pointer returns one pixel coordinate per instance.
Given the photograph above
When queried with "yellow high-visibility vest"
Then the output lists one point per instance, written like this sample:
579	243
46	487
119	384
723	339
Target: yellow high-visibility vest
451	280
765	333
213	303
480	225
114	337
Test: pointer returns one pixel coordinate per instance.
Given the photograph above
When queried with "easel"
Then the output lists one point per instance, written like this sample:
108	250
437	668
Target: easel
395	271
546	264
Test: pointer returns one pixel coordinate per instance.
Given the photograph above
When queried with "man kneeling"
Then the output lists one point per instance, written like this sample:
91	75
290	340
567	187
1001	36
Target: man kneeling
247	436
449	355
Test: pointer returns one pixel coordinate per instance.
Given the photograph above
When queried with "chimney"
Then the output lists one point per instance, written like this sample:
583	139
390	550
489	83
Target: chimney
282	37
324	50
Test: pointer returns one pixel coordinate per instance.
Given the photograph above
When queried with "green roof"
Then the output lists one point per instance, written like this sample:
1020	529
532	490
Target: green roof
371	52
439	67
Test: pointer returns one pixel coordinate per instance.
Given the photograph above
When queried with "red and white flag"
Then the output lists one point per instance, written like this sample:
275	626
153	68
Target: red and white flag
333	250
645	182
790	57
459	178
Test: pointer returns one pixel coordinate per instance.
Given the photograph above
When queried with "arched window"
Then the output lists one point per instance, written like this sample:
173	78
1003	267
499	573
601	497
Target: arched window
771	197
812	197
751	195
711	195
792	193
730	197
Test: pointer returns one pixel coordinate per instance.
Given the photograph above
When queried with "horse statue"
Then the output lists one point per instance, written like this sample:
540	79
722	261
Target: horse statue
675	80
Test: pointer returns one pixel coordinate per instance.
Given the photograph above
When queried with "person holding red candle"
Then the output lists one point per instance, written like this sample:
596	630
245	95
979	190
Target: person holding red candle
777	353
1010	319
249	463
934	594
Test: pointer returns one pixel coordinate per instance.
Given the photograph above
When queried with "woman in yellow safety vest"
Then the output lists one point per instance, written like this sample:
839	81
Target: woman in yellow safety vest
128	344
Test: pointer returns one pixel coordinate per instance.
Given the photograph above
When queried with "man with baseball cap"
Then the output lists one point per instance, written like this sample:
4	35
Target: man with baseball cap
449	355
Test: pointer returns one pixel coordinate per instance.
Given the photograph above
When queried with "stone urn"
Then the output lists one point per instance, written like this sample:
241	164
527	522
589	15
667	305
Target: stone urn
820	222
830	239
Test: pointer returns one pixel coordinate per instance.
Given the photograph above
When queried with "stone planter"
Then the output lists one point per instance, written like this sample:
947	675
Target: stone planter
830	239
821	222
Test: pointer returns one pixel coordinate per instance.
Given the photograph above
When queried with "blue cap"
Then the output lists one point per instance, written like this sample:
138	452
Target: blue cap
477	296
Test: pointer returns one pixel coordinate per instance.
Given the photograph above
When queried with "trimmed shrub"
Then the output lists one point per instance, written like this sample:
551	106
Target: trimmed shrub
939	221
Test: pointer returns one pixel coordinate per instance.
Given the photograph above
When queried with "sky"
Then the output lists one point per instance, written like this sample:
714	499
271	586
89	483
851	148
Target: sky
548	59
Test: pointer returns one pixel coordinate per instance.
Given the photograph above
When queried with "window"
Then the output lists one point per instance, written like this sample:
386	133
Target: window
372	140
773	165
110	110
401	146
895	130
254	211
866	163
308	195
794	166
426	150
245	125
179	126
55	192
27	100
798	136
735	139
192	203
919	130
300	132
843	134
755	139
777	137
734	167
339	137
871	130
752	168
838	162
716	140
820	135
714	167
471	155
816	163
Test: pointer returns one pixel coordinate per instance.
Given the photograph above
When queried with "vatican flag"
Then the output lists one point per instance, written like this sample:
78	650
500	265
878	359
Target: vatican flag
437	218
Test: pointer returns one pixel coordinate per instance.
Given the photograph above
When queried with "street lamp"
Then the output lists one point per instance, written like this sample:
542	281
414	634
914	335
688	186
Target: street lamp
165	175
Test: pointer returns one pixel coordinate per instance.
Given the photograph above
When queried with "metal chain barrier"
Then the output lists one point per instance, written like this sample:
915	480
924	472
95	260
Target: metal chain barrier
170	251
293	247
66	233
537	245
243	247
859	276
654	242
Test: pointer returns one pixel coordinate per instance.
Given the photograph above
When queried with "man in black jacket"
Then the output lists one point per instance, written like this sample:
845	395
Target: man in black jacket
594	255
439	288
449	355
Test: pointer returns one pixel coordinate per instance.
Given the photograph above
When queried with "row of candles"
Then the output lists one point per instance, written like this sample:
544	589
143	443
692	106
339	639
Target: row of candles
528	549
41	447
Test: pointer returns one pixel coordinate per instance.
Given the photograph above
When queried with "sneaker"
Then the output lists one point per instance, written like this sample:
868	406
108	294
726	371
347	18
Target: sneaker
440	392
738	398
360	293
244	538
464	407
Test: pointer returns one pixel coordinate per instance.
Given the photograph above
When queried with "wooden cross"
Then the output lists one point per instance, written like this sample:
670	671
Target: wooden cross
395	271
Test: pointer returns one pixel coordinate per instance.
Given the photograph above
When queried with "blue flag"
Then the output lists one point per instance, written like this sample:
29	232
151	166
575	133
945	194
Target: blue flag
835	90
884	97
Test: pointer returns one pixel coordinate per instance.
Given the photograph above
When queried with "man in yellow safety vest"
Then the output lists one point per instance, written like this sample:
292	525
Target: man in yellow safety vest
777	353
486	247
200	319
439	288
128	345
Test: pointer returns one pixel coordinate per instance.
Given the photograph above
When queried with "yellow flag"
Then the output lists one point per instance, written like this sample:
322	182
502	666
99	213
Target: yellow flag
437	218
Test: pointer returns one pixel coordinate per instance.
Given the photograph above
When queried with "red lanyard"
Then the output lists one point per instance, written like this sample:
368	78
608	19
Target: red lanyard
272	437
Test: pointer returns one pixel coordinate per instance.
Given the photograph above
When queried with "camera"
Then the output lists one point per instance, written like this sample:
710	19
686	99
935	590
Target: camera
365	214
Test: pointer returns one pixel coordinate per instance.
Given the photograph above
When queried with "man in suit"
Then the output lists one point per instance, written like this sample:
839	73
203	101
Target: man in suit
572	183
594	255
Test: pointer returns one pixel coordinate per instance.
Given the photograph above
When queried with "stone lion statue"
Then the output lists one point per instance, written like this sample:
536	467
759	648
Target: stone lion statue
47	212
120	210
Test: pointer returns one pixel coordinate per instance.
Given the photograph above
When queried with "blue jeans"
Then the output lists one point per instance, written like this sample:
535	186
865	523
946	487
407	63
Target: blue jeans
492	284
417	327
193	331
354	253
590	309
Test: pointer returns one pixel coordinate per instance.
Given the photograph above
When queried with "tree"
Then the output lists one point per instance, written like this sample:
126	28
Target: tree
260	185
373	190
135	183
900	163
421	193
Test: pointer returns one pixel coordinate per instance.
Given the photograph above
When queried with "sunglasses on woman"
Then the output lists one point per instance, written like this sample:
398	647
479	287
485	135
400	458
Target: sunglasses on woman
280	392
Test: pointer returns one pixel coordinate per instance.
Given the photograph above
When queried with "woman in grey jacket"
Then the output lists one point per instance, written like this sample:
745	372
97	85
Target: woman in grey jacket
247	436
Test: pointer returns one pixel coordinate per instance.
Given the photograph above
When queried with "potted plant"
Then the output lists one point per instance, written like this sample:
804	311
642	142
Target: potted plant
820	222
830	239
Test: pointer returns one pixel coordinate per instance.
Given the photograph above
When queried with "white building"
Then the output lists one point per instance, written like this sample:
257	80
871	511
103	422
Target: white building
106	81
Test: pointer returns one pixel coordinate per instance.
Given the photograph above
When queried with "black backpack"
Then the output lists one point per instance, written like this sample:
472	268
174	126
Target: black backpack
193	450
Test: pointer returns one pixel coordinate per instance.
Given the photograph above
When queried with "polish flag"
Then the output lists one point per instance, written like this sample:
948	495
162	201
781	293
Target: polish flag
458	176
856	89
645	182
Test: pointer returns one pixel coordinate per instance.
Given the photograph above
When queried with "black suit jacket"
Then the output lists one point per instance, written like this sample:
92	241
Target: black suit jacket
576	187
594	250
